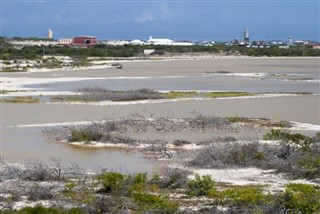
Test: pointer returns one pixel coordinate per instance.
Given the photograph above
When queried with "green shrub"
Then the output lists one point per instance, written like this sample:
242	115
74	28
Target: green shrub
237	119
149	203
69	190
302	198
84	135
309	165
200	186
41	210
111	181
245	196
276	134
139	183
244	154
302	141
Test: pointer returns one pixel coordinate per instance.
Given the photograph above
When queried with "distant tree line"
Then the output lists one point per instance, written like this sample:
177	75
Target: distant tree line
10	52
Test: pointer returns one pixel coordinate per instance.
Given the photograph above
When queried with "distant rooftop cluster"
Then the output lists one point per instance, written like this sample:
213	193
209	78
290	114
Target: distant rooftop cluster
93	40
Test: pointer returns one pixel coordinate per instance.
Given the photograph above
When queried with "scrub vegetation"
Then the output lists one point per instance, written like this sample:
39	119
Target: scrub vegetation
39	188
54	188
298	157
100	94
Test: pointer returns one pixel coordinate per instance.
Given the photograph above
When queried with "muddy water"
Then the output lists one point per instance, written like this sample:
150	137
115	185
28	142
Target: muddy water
24	144
203	82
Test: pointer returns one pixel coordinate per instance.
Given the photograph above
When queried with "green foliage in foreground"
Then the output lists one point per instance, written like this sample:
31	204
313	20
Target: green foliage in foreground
242	196
41	210
136	187
155	203
302	198
237	195
200	186
298	198
119	192
111	181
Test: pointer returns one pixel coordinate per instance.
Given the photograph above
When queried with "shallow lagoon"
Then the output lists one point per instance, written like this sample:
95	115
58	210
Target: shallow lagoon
25	144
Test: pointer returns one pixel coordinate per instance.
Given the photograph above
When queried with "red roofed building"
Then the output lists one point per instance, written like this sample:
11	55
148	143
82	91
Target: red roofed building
84	40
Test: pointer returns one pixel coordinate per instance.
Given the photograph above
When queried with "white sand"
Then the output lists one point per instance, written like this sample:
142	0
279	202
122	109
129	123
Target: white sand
252	175
111	103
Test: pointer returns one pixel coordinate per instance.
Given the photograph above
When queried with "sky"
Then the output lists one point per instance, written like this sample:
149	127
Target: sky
214	20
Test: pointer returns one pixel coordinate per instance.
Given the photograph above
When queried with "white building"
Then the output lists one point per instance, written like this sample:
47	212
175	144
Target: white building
152	41
65	41
118	42
136	42
33	42
182	43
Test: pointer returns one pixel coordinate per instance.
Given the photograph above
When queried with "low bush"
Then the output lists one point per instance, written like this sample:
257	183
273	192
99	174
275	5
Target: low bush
37	172
298	157
101	94
41	210
139	183
245	196
200	186
37	192
302	198
106	204
230	154
297	140
84	135
149	203
111	181
173	178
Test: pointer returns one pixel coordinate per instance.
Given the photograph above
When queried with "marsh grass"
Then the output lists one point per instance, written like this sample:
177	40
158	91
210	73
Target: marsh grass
227	94
11	91
180	94
260	121
100	94
21	100
12	70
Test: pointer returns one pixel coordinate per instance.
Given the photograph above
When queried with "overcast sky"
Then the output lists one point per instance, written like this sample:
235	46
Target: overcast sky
178	20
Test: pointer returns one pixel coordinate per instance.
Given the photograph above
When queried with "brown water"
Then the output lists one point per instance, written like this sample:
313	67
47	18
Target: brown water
25	144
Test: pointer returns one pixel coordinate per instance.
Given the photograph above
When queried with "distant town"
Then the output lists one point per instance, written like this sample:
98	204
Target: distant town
85	41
